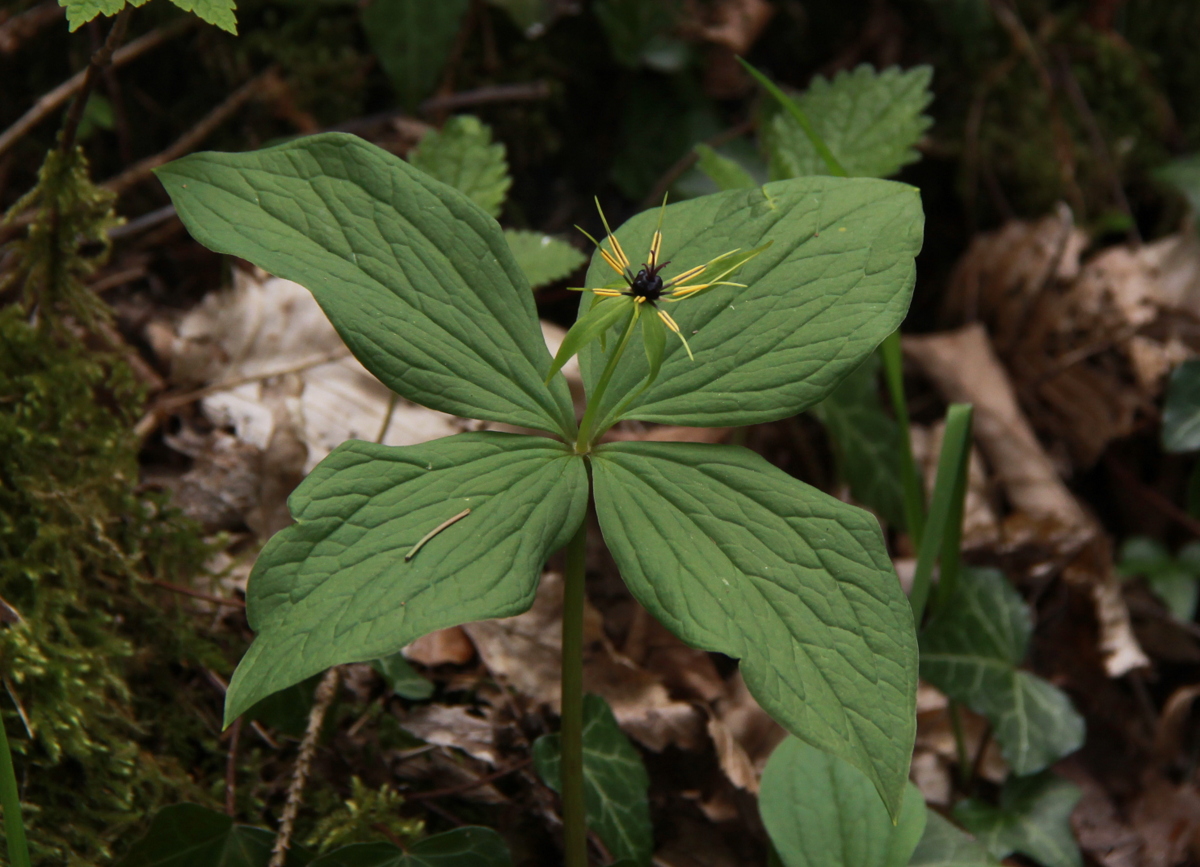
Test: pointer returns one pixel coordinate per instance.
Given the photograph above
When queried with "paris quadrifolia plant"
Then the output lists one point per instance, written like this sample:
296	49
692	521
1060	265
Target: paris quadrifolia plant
776	293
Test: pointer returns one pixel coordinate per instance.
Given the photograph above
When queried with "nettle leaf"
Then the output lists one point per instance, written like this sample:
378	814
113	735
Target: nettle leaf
543	258
870	121
418	281
80	12
218	12
413	40
1181	412
463	155
339	585
865	442
735	556
944	845
463	847
721	170
822	812
188	835
1034	818
836	280
615	782
970	651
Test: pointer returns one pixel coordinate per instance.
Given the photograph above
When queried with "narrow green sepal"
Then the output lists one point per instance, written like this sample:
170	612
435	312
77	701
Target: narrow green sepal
602	316
654	338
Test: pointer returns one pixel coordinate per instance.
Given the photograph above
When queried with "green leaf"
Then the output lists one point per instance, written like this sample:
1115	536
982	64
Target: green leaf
218	12
187	835
615	783
402	679
80	12
661	118
944	845
1181	413
339	585
418	281
604	314
287	710
970	651
413	40
543	258
836	280
1034	818
869	120
463	156
822	812
723	171
654	340
1173	580
463	847
735	556
865	442
531	16
1184	175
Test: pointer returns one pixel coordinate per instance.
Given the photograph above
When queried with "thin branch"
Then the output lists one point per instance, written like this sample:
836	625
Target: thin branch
14	31
196	594
467	786
231	769
100	59
530	92
322	699
49	102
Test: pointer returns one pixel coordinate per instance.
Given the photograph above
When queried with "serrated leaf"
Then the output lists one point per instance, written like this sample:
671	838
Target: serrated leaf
723	171
402	679
339	586
463	847
188	835
1181	412
543	258
822	812
735	556
463	155
615	782
971	649
418	281
1034	818
869	120
835	281
80	12
944	845
217	12
413	40
866	441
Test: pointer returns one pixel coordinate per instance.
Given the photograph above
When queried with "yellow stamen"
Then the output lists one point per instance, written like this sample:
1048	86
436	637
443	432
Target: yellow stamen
612	239
640	299
685	291
612	263
686	275
608	293
655	247
668	321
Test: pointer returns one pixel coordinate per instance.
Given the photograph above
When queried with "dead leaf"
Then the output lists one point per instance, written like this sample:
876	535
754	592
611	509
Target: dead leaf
443	647
452	726
1167	818
1098	824
734	761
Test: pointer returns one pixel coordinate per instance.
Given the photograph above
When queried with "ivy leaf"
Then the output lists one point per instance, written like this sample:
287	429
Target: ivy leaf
463	155
413	40
865	442
1034	818
418	281
944	845
723	171
218	12
971	650
402	679
342	585
822	812
1181	412
735	556
870	121
188	835
543	258
836	280
615	782
463	847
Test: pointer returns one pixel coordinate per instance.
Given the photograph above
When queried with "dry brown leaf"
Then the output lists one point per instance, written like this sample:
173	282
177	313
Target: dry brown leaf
1169	738
453	726
1167	818
751	726
1101	830
938	749
443	647
737	24
733	758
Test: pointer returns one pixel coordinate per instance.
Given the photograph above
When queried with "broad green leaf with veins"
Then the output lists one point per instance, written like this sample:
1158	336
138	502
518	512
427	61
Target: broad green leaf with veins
835	281
543	258
870	121
614	779
822	812
971	651
463	155
387	251
1034	818
736	556
336	587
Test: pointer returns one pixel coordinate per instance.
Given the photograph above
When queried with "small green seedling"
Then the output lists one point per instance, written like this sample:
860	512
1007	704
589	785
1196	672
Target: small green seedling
1173	579
727	551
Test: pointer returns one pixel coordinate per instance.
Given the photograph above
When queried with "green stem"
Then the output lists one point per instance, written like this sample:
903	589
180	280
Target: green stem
583	442
914	493
574	817
960	746
10	800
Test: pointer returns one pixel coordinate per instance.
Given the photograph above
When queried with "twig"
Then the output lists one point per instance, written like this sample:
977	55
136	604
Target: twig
100	59
688	160
55	98
219	682
17	29
322	699
442	526
235	735
467	786
187	591
1152	497
530	92
189	140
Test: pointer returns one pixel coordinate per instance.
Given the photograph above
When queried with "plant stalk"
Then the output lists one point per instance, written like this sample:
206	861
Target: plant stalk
914	493
583	442
574	816
10	800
